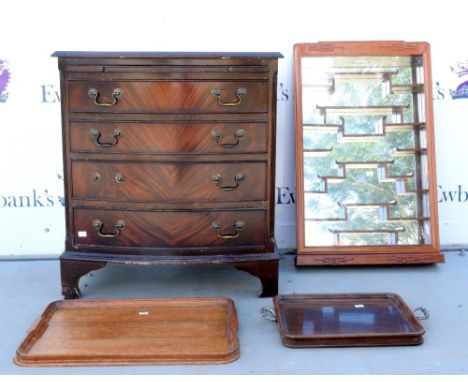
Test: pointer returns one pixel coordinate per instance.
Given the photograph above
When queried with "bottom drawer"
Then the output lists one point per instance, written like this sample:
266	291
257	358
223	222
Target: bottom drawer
168	229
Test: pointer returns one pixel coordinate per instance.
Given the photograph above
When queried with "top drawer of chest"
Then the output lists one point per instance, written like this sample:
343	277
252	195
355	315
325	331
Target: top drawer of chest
150	96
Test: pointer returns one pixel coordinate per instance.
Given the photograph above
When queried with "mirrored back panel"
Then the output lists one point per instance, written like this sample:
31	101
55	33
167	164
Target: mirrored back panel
365	154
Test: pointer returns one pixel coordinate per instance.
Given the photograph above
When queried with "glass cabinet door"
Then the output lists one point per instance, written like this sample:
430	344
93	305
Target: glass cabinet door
364	144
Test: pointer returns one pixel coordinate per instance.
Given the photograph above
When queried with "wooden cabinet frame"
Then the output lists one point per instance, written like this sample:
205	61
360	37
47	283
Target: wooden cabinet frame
426	249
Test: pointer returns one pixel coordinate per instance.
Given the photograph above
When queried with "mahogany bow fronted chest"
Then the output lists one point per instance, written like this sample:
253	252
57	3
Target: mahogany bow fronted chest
169	158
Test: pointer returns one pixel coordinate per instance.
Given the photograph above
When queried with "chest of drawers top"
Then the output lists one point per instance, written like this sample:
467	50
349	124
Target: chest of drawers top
169	64
222	55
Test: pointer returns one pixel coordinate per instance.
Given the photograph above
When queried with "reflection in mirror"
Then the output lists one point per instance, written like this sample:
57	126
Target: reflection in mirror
364	151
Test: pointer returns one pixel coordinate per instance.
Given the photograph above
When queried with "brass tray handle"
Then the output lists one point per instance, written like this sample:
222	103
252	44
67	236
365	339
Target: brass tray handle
118	227
218	179
95	135
424	313
217	93
268	314
238	226
218	135
94	95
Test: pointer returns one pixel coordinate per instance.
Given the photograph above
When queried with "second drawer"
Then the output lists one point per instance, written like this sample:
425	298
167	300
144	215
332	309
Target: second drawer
168	182
169	137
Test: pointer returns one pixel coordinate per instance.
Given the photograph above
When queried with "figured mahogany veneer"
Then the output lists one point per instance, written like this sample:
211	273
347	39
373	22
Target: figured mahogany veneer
166	182
167	230
171	138
169	159
170	97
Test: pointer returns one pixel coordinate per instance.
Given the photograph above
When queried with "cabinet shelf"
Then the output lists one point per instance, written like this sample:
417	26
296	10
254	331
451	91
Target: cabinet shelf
403	126
406	88
392	234
404	151
322	127
384	212
329	86
364	164
367	231
313	153
363	110
384	128
367	75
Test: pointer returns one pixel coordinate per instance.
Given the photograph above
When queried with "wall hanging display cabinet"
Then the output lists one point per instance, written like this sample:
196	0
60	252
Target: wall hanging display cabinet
169	158
366	183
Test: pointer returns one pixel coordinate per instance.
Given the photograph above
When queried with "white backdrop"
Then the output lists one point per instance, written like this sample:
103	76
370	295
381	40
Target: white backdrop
31	185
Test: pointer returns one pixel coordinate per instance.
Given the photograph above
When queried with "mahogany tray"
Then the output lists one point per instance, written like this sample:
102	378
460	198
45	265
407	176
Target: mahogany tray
329	320
132	332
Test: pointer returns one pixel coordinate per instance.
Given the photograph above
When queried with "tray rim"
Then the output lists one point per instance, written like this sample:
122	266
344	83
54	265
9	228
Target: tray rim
40	324
403	307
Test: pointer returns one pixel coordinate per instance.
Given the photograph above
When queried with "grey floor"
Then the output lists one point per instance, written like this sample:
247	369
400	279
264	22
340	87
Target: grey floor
28	286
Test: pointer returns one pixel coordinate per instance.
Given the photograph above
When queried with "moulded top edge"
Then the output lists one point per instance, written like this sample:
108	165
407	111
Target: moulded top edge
218	55
383	47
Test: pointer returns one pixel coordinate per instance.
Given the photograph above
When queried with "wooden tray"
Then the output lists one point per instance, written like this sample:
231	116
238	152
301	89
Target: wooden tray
324	320
132	332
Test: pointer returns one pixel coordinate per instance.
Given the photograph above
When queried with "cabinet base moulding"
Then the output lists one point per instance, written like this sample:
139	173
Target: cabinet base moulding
321	259
74	265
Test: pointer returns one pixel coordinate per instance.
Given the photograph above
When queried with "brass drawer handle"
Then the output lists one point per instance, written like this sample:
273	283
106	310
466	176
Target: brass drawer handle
217	93
95	135
238	226
218	135
218	179
94	95
118	227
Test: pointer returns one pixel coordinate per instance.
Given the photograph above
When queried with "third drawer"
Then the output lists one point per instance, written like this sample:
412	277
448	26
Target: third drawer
168	182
